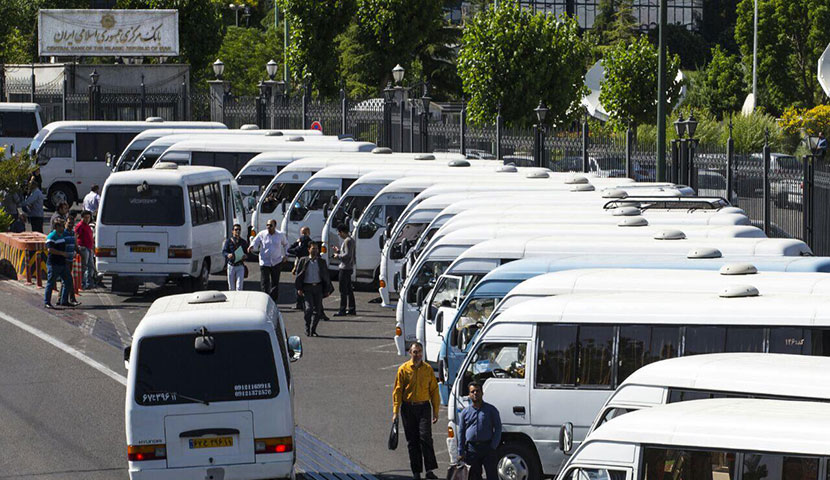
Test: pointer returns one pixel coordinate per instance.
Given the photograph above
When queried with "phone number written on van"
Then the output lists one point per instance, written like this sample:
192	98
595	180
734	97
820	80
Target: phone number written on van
252	390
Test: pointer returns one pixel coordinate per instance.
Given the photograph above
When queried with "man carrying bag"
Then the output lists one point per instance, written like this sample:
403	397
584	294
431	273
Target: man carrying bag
313	283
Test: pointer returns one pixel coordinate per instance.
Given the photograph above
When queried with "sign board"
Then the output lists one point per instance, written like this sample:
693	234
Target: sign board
824	71
316	125
108	33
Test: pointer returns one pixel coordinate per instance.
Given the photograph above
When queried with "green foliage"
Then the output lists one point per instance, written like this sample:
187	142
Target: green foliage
512	57
15	171
629	90
384	33
748	133
721	87
690	46
792	34
314	26
245	51
5	221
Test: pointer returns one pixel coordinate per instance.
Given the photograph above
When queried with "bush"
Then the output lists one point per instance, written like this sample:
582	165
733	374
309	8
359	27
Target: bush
748	133
15	172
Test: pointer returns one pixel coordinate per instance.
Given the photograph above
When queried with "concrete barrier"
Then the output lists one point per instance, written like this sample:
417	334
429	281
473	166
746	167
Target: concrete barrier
27	253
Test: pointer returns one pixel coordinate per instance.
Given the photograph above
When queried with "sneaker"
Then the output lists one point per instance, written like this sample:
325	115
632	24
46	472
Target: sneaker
340	314
48	306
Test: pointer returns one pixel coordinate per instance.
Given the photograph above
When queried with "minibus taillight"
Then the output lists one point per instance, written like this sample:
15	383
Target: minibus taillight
179	253
140	453
273	445
103	252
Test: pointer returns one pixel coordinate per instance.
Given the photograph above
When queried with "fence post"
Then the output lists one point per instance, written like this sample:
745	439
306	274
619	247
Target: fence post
675	158
692	168
628	147
306	99
806	200
499	128
585	140
32	95
537	148
92	86
185	113
730	160
400	126
463	127
426	100
65	86
343	109
411	127
217	100
387	115
143	99
766	198
2	82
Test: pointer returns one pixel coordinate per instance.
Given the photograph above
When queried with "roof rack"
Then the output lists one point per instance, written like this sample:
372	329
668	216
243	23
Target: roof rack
669	203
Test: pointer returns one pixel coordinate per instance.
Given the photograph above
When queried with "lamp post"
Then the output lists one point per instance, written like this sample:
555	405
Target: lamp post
94	89
236	9
677	149
808	165
691	127
388	96
541	112
271	70
218	69
425	101
400	96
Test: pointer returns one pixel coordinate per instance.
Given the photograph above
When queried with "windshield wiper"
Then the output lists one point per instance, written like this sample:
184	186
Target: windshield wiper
193	399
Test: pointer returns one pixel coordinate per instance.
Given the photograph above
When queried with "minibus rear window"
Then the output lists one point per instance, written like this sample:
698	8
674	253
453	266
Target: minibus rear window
170	371
161	205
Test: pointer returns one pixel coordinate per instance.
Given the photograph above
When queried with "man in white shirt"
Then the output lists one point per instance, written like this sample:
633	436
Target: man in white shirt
92	200
271	244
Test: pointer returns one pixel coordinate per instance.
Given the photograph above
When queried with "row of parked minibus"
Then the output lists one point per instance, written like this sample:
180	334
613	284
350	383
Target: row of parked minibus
573	299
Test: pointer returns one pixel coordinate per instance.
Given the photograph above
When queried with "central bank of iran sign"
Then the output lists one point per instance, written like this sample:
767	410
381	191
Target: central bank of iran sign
88	33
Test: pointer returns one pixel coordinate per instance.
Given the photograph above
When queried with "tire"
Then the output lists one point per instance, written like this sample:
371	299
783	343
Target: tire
196	284
517	461
60	193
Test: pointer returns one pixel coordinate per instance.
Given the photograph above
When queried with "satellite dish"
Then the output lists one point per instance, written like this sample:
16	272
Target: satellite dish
824	71
749	105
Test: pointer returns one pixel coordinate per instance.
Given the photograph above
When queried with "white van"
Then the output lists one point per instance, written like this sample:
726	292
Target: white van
73	155
133	150
719	375
558	359
19	124
709	439
166	223
209	389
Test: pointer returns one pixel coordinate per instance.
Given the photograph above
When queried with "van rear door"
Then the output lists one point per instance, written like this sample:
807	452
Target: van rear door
209	439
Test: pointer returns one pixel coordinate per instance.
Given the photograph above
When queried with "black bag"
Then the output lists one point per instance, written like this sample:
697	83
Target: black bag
393	436
459	471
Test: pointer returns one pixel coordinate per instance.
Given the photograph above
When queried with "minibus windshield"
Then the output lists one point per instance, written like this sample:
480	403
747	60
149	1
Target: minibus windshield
280	192
426	277
310	200
353	206
38	140
161	205
407	236
240	367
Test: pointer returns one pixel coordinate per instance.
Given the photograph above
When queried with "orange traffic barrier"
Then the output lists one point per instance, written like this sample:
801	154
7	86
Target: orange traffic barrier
27	253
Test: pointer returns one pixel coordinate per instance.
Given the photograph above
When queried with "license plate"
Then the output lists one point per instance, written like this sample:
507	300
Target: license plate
143	249
213	442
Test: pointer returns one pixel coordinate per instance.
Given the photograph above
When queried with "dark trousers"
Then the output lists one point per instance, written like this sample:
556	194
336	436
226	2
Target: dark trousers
479	455
269	280
417	427
313	298
37	224
344	280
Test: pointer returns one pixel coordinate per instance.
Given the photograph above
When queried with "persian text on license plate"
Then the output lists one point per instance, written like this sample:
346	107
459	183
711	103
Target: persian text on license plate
213	442
143	249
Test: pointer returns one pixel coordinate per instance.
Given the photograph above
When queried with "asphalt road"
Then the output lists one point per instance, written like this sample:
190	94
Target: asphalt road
67	418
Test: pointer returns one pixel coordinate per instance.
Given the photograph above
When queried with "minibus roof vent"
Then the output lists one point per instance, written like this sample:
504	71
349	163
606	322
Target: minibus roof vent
582	188
704	252
208	296
538	174
670	234
154	119
381	150
738	269
633	222
295	138
738	291
507	169
732	210
274	133
626	212
576	180
425	156
249	126
166	166
614	193
458	163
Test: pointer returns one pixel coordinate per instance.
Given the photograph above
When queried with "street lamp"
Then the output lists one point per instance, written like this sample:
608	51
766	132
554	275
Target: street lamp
93	77
680	127
218	69
397	74
271	68
541	112
236	9
691	125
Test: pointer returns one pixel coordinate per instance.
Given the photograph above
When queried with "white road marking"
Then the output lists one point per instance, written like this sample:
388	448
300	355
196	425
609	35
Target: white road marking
66	348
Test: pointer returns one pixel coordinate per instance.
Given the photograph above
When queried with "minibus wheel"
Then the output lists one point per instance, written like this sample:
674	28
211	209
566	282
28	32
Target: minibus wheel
201	282
517	461
60	193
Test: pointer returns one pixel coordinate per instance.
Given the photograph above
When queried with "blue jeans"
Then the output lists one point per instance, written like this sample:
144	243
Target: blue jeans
53	273
88	264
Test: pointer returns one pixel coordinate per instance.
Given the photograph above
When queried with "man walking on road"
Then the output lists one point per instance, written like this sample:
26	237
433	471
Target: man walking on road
344	275
415	396
86	247
56	264
299	249
92	200
479	435
271	244
236	268
314	284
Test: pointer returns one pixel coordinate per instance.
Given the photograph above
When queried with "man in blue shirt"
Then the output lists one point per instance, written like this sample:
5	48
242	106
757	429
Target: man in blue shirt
56	264
479	435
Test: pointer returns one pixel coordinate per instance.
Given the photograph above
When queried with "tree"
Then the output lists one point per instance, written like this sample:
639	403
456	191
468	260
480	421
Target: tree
513	58
384	33
792	34
629	90
689	45
314	25
245	51
721	84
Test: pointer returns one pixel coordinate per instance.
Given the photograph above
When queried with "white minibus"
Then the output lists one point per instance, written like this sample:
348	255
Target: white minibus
719	375
233	153
73	155
717	439
166	223
435	260
558	359
141	141
209	389
19	124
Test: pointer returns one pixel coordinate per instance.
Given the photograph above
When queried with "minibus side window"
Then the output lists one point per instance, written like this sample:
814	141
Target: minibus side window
763	466
799	341
18	124
205	204
226	160
575	356
596	348
721	339
594	474
205	159
55	148
613	413
641	345
669	464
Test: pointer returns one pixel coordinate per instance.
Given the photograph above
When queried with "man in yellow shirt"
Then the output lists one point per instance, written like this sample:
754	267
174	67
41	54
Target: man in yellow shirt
415	388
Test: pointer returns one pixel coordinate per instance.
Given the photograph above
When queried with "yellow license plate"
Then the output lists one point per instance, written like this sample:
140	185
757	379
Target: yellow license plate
143	249
214	442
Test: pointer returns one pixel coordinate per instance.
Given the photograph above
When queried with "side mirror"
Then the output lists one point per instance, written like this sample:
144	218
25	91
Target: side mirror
109	159
439	322
295	348
282	205
566	437
332	201
325	210
419	296
127	350
381	241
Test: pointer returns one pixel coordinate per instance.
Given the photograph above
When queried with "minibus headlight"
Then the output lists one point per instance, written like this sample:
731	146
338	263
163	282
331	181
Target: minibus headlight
140	453
323	249
103	252
382	284
179	253
273	445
